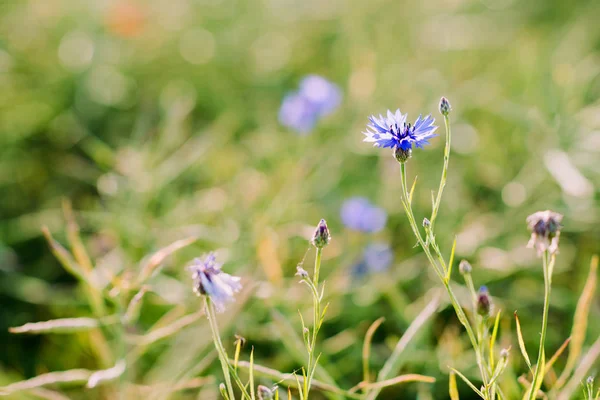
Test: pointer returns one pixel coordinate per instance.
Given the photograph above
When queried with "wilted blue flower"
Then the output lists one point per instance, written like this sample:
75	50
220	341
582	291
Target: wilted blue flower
377	257
210	281
316	98
394	132
545	230
358	213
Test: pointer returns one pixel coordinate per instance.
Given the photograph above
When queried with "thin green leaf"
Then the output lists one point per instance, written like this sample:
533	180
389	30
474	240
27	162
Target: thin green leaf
453	390
412	190
251	373
522	342
468	382
451	261
493	338
63	255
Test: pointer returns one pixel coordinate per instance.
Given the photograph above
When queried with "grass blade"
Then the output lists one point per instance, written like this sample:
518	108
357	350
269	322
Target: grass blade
522	342
493	338
157	258
468	382
412	190
393	363
580	321
72	376
453	390
106	374
366	353
251	373
451	261
63	325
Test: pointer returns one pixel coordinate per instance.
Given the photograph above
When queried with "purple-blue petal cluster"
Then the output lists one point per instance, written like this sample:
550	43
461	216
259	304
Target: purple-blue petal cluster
394	132
316	98
360	214
377	257
210	281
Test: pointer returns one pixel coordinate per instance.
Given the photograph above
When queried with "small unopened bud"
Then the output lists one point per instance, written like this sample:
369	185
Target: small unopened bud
426	223
445	106
265	393
402	155
301	272
223	390
321	237
504	353
590	380
464	267
484	302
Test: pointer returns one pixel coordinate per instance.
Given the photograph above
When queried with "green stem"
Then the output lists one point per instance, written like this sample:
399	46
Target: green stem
438	200
446	281
547	266
312	363
210	314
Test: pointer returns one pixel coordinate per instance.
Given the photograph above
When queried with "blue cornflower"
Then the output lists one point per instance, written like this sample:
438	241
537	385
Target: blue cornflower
316	98
394	132
377	257
359	214
210	281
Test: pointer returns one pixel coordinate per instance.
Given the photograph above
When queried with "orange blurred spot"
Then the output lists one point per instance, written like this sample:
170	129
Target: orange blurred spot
125	19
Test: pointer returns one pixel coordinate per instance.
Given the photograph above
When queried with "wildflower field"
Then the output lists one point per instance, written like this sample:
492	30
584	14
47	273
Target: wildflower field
281	199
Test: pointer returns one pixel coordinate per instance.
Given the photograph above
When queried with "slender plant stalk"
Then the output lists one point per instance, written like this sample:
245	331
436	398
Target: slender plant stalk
210	313
547	267
438	200
439	266
311	345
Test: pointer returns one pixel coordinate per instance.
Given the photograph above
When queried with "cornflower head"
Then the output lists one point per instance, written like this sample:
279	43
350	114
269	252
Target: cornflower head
360	214
210	281
394	132
545	230
316	98
377	257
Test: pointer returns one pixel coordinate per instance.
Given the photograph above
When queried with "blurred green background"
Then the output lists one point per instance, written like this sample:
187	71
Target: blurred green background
158	120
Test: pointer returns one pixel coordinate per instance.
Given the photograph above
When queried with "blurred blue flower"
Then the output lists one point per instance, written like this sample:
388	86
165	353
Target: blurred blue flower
210	281
316	98
358	213
393	131
377	257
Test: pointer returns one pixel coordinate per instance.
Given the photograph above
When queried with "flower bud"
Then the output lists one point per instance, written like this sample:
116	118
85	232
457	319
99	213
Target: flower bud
504	353
464	267
402	155
426	223
484	302
223	390
265	393
321	237
445	106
